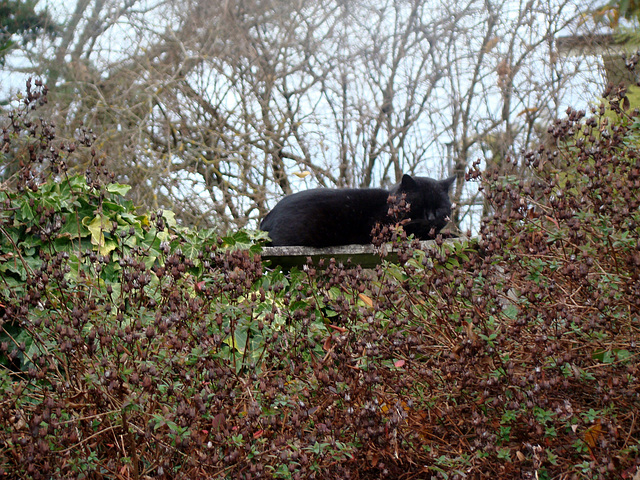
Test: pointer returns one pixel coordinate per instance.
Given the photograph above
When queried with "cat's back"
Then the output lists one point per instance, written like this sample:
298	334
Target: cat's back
314	195
336	199
323	217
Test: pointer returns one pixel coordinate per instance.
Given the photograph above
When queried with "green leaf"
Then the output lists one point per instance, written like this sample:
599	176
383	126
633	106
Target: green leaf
26	210
97	227
191	250
511	311
118	189
622	354
72	230
108	207
237	341
78	182
108	247
170	218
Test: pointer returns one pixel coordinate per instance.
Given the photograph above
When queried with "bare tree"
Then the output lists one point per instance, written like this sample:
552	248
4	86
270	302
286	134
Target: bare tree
507	81
383	89
216	109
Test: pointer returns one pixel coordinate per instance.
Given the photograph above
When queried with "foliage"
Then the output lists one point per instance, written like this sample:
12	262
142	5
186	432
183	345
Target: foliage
135	348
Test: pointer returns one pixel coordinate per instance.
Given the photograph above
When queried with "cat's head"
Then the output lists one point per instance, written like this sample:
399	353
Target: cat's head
428	199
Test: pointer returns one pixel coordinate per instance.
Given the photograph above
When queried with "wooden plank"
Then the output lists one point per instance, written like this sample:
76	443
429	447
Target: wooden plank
366	256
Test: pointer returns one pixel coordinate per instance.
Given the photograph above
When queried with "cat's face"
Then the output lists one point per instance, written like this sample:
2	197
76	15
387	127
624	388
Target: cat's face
428	199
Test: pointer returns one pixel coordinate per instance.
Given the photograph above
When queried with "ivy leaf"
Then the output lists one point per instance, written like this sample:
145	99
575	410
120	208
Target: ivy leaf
26	211
170	218
238	341
118	189
97	227
109	207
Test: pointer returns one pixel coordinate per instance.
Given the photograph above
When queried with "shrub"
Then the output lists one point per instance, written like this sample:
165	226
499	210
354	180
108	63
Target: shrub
137	348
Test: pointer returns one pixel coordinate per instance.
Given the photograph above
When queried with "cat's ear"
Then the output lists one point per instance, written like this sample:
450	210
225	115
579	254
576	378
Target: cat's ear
446	183
408	183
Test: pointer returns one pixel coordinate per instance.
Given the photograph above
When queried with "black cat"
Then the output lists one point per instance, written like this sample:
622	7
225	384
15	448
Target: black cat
328	217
